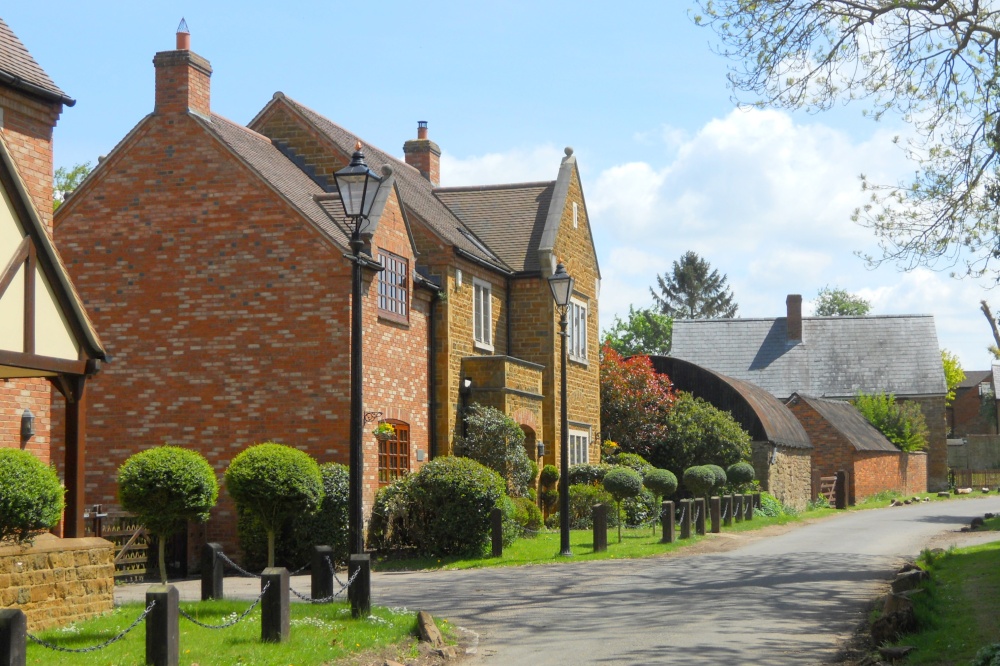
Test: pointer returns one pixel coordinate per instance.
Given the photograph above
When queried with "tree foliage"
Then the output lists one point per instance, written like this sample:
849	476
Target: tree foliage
697	433
933	62
953	374
635	401
622	483
693	290
495	440
837	302
699	480
31	496
644	332
902	423
67	180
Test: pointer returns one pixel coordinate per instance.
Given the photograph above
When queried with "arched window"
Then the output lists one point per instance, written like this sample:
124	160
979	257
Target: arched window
394	454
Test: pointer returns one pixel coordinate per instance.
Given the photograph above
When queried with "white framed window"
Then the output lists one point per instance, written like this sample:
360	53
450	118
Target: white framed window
576	316
482	313
579	446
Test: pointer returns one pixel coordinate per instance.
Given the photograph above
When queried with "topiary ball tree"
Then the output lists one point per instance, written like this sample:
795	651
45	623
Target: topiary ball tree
31	497
274	482
720	478
699	480
740	474
548	476
165	487
622	483
662	483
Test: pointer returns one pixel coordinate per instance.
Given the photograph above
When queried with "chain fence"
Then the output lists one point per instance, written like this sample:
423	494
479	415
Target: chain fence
226	625
94	648
240	570
332	597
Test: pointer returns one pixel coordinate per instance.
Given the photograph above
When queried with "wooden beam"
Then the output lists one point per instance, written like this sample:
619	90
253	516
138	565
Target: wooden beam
43	363
29	300
16	261
75	463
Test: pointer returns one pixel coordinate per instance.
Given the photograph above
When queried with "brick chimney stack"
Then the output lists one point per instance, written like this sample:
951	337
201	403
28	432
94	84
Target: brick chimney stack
424	155
793	305
182	78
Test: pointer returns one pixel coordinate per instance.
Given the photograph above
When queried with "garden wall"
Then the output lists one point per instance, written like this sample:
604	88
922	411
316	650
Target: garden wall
974	452
790	477
58	581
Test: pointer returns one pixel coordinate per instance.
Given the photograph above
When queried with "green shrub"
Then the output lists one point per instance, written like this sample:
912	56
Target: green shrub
495	440
740	475
698	433
582	498
388	528
640	509
587	473
274	482
527	514
987	656
450	503
771	507
31	496
549	476
533	466
165	487
661	482
902	423
632	461
699	480
720	478
550	498
622	483
294	543
511	529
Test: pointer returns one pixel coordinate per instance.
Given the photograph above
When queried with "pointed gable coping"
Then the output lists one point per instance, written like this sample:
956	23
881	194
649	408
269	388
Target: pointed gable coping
49	262
546	246
20	70
417	192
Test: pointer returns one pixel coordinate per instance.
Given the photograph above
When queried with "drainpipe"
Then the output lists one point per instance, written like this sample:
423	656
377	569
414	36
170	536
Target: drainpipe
510	351
432	381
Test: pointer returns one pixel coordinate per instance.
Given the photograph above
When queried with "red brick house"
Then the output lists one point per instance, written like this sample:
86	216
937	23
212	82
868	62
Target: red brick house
212	256
46	339
973	411
843	440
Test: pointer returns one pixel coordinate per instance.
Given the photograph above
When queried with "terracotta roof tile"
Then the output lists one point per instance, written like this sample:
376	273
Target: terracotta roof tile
22	71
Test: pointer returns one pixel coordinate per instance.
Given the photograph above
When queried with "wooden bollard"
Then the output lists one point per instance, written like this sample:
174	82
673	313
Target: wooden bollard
756	501
13	637
275	620
496	529
600	512
727	510
162	626
699	516
748	507
359	569
841	489
715	509
212	571
321	578
738	508
687	508
667	519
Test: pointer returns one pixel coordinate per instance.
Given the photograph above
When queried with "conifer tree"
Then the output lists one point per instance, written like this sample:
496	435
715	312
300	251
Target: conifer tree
693	290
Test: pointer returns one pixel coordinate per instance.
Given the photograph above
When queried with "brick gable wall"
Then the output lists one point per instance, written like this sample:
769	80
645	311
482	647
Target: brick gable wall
226	315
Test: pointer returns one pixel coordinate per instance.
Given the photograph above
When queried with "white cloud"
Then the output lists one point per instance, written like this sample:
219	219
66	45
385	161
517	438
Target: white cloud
514	166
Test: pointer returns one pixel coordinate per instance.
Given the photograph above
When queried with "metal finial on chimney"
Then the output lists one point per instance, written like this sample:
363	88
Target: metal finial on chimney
183	36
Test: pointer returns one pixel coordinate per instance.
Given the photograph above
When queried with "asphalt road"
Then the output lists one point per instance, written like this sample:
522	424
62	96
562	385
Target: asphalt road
787	599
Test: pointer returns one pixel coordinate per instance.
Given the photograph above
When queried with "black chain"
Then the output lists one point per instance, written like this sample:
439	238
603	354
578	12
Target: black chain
231	623
103	645
326	600
239	569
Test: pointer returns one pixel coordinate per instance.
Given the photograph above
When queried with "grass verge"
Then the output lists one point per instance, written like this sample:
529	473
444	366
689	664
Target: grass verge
320	634
959	613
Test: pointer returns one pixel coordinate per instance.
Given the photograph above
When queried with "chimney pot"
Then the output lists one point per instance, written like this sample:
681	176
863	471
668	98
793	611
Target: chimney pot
424	155
421	129
183	36
793	306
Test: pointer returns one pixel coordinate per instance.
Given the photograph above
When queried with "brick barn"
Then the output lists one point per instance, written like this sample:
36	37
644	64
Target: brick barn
211	256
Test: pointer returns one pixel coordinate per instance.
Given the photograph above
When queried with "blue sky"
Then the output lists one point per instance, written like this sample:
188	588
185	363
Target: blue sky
668	163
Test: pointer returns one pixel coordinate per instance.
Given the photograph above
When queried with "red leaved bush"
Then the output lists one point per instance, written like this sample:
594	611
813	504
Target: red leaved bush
635	401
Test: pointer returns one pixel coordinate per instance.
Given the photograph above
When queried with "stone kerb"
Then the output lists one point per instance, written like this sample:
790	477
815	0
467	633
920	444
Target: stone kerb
57	581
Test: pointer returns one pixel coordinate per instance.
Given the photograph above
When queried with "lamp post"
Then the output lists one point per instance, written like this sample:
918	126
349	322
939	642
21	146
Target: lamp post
358	186
561	285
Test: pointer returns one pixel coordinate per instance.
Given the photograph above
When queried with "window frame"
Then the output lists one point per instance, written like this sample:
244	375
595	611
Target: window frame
395	450
579	441
482	314
577	324
389	302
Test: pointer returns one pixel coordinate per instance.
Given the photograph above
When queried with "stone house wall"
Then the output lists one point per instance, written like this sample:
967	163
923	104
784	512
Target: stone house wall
789	478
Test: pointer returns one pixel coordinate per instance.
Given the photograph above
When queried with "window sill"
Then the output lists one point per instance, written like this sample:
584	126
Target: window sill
393	318
579	361
482	346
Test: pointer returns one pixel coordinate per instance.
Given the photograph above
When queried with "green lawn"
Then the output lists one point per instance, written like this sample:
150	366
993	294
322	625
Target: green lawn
320	634
960	611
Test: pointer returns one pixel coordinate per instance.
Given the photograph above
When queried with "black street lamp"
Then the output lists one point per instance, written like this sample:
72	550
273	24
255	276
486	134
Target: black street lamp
358	186
561	285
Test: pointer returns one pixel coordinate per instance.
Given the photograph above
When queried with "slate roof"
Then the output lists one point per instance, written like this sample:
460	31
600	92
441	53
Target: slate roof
288	180
837	356
510	219
973	378
416	191
849	422
756	410
20	70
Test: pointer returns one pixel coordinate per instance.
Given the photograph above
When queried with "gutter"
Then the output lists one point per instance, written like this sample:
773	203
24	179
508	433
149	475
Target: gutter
481	262
35	90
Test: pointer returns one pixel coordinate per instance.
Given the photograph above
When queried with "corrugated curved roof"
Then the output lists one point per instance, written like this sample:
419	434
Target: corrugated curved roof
756	410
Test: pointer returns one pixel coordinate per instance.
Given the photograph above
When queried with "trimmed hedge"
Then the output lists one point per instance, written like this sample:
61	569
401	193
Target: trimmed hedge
720	477
527	515
587	473
582	498
699	480
549	475
661	482
740	474
31	496
167	486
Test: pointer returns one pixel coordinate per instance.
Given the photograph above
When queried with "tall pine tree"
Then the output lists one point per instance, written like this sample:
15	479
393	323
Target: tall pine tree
693	291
